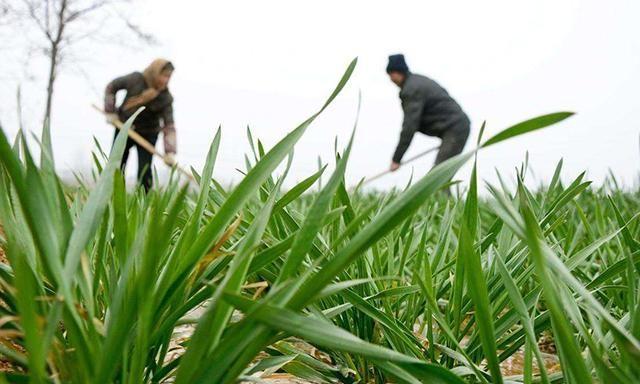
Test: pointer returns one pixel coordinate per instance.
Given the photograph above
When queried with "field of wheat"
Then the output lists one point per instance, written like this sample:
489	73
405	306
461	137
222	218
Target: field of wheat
319	283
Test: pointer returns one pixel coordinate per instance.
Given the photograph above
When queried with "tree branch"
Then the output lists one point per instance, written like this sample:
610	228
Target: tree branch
38	22
81	12
61	22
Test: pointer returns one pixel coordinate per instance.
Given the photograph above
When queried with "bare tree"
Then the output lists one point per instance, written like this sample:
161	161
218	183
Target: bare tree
62	24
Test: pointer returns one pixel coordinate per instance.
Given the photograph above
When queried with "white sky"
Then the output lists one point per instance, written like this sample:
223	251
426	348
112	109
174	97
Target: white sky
271	64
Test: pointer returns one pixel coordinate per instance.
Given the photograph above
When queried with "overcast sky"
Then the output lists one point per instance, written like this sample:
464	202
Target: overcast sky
271	64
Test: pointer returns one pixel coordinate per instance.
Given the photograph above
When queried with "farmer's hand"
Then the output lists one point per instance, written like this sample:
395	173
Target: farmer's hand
170	159
111	118
394	166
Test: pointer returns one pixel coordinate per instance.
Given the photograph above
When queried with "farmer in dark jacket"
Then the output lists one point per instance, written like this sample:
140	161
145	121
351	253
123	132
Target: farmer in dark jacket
148	89
428	109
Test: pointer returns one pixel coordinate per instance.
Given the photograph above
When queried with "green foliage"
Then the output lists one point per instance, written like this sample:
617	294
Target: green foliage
406	287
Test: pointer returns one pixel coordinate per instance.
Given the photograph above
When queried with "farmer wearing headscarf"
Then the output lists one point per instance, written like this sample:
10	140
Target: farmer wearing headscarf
428	109
145	89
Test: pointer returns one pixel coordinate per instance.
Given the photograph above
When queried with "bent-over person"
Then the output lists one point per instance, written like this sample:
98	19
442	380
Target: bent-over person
428	109
148	89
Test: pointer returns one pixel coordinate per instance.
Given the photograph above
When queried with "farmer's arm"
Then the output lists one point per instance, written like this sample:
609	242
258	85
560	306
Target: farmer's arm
112	88
412	104
169	130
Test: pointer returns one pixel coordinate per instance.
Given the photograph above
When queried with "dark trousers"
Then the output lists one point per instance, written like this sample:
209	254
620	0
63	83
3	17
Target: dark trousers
453	142
145	176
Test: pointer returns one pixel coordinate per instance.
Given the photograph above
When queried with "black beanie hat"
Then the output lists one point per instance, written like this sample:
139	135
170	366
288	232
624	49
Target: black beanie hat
397	64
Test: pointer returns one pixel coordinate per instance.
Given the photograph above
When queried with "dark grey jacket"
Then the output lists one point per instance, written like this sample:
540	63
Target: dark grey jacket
428	109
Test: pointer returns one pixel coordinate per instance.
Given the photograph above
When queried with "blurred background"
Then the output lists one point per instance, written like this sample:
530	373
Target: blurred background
270	65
